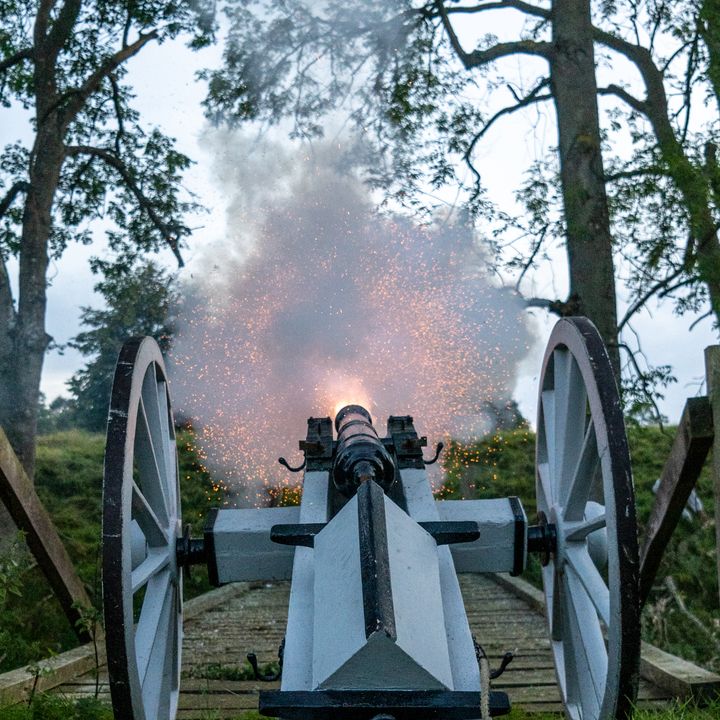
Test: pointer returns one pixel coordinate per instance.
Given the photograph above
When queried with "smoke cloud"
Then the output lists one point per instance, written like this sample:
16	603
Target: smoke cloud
315	300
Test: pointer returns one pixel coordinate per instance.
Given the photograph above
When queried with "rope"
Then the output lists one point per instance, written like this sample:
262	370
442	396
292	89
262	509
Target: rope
484	688
484	665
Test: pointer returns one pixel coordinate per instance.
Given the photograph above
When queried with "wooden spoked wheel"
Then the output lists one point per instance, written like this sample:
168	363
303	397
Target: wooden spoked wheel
142	583
585	491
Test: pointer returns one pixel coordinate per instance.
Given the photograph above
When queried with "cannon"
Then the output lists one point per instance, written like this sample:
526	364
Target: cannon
376	626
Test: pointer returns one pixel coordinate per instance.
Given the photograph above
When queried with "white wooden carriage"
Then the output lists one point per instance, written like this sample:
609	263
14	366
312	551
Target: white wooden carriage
377	626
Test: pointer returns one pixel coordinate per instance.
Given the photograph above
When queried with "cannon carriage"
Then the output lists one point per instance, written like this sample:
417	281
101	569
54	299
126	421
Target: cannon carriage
376	625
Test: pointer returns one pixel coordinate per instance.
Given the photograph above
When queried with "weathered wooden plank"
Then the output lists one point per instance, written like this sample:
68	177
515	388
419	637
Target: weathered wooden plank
682	678
29	514
712	374
223	636
201	701
692	443
16	685
522	589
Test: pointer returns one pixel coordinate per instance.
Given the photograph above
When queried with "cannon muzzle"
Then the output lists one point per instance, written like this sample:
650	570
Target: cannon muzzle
361	455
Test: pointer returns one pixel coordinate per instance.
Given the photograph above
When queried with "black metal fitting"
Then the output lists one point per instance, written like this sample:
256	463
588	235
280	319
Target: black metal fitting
287	465
542	539
269	677
438	449
190	551
507	658
444	532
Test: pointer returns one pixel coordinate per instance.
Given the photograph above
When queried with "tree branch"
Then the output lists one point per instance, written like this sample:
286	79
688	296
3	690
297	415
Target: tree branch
62	28
111	159
636	173
477	58
118	112
41	21
11	194
646	296
531	98
81	94
16	59
537	245
631	100
624	47
562	308
642	377
524	7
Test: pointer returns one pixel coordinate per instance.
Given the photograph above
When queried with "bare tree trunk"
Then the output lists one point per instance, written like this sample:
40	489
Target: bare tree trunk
23	338
589	242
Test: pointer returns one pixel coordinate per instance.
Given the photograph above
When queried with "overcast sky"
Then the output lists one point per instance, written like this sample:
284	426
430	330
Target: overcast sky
169	96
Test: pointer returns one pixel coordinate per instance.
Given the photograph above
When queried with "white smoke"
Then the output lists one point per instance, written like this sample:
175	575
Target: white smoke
315	300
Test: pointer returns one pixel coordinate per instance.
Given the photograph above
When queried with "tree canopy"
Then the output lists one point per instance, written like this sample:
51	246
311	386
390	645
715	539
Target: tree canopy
414	78
90	157
137	302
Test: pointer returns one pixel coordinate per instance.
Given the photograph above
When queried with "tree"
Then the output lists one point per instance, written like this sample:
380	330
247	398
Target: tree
672	178
138	302
65	63
402	72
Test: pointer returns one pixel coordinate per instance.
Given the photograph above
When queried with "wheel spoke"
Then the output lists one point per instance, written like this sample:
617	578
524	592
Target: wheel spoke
148	460
579	531
168	440
588	646
160	676
157	422
154	532
583	569
177	640
578	489
151	631
556	615
173	483
548	406
543	470
570	408
153	564
154	689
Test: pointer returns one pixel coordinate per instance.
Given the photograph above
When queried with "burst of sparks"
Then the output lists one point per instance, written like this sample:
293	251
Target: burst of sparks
337	305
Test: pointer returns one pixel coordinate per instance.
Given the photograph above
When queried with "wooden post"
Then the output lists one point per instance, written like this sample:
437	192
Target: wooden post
690	448
712	373
30	515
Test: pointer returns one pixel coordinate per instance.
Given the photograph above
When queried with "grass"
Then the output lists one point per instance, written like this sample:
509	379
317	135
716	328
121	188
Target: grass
47	706
235	673
69	482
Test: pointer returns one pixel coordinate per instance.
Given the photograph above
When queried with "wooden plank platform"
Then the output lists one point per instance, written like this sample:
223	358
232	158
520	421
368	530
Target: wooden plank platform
253	617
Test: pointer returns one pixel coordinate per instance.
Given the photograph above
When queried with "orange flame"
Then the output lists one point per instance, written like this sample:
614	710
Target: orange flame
339	391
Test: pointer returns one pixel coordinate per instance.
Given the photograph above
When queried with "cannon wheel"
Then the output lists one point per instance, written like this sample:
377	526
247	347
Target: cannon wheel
584	489
142	583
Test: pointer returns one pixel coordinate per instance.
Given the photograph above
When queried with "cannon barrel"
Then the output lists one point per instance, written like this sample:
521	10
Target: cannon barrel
360	455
